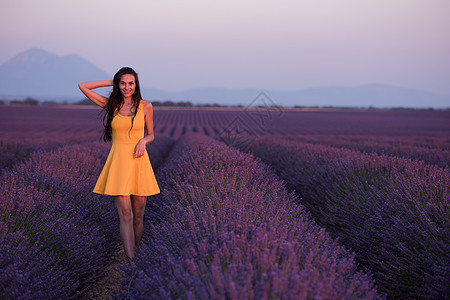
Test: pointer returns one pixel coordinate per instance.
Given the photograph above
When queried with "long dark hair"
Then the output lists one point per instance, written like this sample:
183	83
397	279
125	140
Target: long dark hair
116	101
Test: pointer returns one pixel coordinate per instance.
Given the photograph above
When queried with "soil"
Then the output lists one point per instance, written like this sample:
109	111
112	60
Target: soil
107	286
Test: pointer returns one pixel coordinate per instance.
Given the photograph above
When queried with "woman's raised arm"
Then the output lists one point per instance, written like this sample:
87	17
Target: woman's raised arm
87	89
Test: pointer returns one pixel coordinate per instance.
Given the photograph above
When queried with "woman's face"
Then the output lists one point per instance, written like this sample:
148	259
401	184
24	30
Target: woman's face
127	85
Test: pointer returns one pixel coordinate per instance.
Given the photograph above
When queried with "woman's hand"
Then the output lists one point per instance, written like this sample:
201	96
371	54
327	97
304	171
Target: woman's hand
139	150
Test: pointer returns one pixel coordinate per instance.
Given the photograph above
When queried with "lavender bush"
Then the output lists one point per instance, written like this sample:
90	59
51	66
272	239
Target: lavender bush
419	135
69	229
24	130
392	212
15	150
225	228
433	150
56	235
27	269
412	134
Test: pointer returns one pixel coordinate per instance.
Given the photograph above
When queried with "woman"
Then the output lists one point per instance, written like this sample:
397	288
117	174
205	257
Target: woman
127	175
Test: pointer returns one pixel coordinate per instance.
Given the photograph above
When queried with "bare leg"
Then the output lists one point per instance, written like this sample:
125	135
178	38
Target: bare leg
125	210
138	204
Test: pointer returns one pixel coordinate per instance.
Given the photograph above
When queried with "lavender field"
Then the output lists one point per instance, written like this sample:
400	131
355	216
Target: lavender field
255	203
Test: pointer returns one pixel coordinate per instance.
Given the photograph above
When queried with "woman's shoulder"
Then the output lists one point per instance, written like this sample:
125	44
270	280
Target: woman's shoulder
147	107
146	104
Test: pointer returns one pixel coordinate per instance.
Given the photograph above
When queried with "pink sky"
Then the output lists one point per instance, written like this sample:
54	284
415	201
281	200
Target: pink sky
267	44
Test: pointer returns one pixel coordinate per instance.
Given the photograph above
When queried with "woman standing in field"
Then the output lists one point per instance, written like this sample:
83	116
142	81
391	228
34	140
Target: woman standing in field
127	175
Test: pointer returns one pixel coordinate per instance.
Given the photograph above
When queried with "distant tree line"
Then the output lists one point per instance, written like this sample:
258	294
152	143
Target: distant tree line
166	103
26	101
31	101
170	103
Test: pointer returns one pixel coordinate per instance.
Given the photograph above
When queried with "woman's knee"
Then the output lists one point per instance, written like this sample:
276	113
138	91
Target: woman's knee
124	208
137	220
138	204
126	214
138	215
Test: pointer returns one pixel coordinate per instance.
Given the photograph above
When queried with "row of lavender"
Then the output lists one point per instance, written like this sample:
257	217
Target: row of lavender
56	236
419	135
25	130
433	150
15	149
224	227
393	212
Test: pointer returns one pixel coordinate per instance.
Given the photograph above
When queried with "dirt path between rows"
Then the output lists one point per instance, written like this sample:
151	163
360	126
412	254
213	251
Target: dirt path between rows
104	288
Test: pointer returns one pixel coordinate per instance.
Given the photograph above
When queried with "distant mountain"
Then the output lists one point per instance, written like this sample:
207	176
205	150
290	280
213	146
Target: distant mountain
376	95
45	76
207	95
40	74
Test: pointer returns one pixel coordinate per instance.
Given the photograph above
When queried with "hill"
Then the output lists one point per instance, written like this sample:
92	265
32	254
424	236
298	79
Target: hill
46	76
38	73
376	95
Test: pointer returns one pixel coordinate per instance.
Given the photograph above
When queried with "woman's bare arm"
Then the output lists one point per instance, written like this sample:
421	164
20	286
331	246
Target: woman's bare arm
87	89
150	137
148	116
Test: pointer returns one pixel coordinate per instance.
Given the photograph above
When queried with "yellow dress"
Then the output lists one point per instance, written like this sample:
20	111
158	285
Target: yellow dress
122	174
